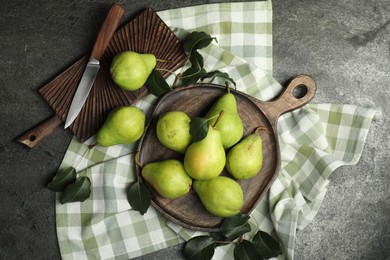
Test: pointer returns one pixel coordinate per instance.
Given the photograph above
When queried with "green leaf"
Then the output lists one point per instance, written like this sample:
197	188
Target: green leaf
192	75
220	238
266	245
156	84
199	248
195	72
62	179
219	74
246	250
80	190
197	40
139	197
199	128
235	226
196	60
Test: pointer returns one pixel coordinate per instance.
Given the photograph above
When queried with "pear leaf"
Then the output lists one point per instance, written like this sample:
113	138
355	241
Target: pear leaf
197	40
216	73
80	190
195	72
196	60
62	179
220	238
246	250
192	75
199	248
266	245
199	128
156	84
139	197
234	226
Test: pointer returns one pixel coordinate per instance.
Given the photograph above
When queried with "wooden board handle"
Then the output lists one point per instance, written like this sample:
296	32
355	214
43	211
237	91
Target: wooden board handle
107	30
298	93
39	132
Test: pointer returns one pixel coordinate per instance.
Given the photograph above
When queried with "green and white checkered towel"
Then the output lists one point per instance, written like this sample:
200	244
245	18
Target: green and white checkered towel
314	141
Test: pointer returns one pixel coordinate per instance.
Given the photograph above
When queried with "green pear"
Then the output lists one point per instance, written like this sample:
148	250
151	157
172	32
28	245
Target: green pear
124	125
230	125
168	178
130	70
173	131
245	159
221	196
206	158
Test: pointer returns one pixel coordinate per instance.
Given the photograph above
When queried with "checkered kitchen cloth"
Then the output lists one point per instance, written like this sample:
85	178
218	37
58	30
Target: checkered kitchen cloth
314	141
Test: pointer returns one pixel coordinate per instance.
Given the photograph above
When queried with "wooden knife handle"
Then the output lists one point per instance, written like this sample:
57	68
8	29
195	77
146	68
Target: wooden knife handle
107	30
39	132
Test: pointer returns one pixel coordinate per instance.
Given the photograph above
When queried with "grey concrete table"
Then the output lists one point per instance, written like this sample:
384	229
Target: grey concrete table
344	45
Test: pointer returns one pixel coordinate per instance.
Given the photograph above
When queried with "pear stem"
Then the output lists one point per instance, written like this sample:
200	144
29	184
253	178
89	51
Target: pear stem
241	238
260	128
165	61
139	168
227	86
170	71
219	117
136	159
175	81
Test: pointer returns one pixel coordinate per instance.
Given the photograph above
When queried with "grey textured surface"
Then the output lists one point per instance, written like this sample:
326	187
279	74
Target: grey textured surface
344	45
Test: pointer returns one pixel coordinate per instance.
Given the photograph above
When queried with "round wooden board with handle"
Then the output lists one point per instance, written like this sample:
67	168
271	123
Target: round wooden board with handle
196	100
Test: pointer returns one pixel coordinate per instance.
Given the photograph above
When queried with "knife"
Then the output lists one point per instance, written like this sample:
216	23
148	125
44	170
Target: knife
106	32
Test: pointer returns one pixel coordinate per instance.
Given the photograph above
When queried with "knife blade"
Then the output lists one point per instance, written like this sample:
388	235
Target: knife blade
105	34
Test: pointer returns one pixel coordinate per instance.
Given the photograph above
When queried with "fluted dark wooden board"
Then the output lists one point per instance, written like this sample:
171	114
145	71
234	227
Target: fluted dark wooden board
146	33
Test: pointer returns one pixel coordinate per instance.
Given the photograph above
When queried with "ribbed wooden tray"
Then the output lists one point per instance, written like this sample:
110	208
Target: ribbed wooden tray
145	33
196	100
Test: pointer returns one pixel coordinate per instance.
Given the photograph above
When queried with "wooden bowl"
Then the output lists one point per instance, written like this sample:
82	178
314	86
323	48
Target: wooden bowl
196	100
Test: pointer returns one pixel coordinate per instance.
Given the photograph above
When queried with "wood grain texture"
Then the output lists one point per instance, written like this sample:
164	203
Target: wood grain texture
108	28
145	33
196	100
35	135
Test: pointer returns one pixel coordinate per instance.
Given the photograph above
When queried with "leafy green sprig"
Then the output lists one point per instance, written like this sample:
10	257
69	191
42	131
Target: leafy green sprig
233	230
195	41
71	185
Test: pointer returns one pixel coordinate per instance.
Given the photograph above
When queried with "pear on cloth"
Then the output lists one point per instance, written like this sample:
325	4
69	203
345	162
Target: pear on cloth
124	125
